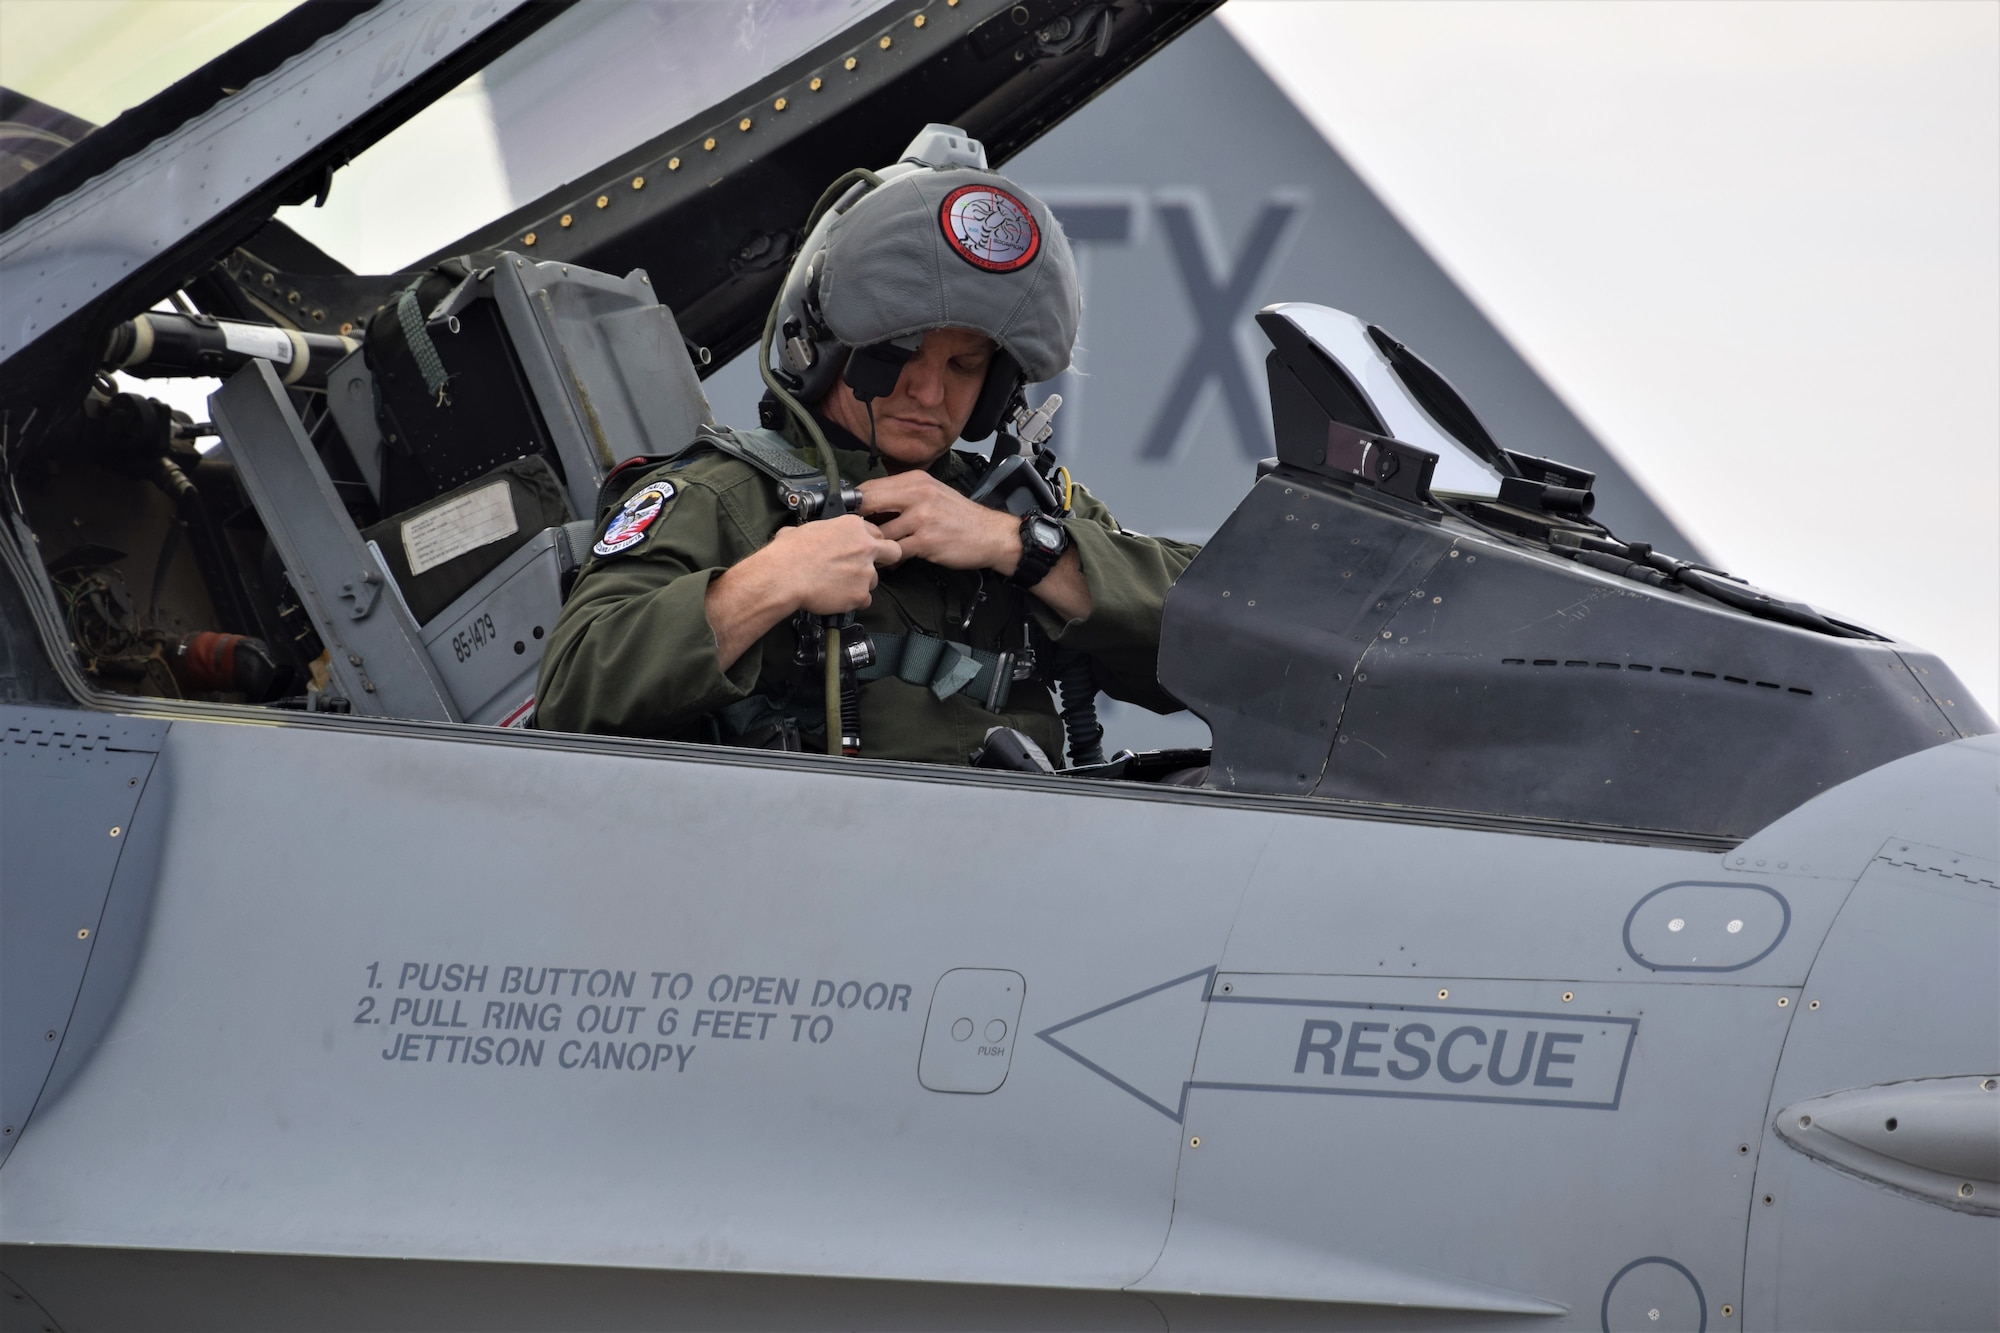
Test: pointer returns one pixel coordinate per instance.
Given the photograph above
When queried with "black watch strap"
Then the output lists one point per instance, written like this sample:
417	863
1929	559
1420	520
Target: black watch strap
1044	541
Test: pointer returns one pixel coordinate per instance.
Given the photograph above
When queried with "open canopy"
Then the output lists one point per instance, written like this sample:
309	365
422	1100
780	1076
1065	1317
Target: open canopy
180	191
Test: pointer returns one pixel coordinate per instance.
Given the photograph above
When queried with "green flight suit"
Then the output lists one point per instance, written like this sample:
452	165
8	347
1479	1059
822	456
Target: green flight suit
632	653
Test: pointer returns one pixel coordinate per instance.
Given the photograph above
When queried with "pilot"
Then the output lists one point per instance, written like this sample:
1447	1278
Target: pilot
695	617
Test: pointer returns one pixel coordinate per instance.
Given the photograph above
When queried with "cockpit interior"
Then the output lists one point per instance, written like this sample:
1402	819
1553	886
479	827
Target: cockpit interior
244	470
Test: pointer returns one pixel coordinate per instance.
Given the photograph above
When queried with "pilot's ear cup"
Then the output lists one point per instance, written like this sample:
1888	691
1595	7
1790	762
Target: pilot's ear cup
1003	378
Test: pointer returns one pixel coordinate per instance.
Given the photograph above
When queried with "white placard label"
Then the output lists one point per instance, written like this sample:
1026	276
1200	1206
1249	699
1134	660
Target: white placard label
258	340
473	520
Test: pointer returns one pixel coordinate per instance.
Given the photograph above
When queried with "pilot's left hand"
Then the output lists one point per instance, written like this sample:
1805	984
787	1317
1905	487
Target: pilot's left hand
931	521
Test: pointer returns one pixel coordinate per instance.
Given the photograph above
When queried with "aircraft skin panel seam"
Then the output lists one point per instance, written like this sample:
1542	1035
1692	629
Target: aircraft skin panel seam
1354	673
1951	728
1923	865
1770	1092
1208	990
95	925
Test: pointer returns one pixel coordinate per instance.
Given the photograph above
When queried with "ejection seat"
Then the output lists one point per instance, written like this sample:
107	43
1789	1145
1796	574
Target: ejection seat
485	417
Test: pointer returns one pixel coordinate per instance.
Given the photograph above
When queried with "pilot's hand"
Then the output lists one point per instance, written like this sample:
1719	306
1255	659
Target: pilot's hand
831	563
928	520
825	567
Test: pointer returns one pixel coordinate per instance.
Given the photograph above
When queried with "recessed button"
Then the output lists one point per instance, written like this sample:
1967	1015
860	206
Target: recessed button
968	1002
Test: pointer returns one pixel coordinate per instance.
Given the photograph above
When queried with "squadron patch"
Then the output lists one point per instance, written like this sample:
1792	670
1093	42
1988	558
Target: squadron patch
990	228
630	524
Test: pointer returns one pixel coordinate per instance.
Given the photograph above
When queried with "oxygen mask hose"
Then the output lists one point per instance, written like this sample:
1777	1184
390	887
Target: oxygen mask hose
837	670
1077	683
850	710
835	506
831	646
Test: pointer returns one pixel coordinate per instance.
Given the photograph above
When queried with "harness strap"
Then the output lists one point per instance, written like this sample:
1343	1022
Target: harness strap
943	666
762	449
762	723
418	338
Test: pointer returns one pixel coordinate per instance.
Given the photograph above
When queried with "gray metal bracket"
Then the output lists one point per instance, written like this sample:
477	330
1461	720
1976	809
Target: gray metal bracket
374	650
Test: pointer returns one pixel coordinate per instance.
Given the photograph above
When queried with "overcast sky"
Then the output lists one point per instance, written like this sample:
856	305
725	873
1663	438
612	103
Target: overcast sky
1755	246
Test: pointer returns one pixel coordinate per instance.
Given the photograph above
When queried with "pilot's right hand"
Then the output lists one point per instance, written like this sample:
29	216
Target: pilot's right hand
825	567
831	563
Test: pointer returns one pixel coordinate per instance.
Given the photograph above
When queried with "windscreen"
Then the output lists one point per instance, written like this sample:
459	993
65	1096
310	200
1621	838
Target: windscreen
69	66
601	79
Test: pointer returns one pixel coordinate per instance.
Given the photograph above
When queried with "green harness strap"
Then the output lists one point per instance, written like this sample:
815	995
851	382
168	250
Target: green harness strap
945	667
418	338
765	450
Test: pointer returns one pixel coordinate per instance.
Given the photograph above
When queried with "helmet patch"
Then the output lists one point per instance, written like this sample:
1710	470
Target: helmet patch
990	228
629	526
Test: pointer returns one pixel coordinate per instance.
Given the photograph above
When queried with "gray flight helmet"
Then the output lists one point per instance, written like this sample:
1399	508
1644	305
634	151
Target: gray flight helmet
936	241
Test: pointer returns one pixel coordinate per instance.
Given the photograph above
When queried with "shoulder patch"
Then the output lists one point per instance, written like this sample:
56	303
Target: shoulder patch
634	519
989	228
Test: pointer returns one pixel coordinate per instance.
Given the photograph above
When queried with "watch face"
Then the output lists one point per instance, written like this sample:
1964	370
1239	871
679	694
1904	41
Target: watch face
1047	535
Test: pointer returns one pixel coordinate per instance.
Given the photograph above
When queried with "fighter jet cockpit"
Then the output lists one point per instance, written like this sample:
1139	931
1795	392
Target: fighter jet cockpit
378	511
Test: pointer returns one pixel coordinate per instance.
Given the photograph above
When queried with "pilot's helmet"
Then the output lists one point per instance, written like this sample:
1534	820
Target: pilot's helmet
940	242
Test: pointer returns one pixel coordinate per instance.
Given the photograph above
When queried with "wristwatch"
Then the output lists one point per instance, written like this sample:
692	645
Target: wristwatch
1043	542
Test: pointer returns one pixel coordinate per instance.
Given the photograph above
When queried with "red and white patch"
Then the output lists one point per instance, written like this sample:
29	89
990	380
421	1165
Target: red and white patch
629	527
990	228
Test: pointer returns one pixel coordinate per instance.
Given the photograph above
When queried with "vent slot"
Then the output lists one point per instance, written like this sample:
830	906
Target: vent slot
1665	671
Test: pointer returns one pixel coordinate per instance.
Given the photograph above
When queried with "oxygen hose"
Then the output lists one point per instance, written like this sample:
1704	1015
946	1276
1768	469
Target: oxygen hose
850	712
835	507
1078	685
830	642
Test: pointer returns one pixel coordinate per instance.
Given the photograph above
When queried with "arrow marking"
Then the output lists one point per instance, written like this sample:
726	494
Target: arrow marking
1207	978
1390	1046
